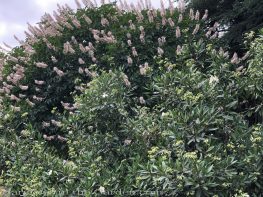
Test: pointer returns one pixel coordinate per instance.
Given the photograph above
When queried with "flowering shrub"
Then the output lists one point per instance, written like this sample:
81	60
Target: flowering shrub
134	99
41	74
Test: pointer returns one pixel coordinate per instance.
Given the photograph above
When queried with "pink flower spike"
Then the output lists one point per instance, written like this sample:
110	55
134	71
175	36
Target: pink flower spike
39	82
235	59
142	101
30	103
160	51
126	81
197	15
129	42
80	70
59	72
56	123
38	98
134	52
180	19
81	61
41	65
78	4
23	87
14	98
54	60
129	60
170	21
205	15
181	6
16	109
13	59
178	32
45	124
197	27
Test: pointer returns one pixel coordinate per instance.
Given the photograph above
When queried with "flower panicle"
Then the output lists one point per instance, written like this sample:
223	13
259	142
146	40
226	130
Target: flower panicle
38	82
59	72
181	6
178	32
78	4
41	65
205	16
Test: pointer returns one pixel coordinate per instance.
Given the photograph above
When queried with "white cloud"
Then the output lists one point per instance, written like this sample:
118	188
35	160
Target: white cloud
16	23
46	4
50	5
3	29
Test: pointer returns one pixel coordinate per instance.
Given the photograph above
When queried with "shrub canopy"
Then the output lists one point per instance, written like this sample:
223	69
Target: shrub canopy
114	98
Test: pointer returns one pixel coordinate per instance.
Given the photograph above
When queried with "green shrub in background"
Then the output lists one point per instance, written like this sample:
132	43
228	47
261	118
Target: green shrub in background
162	110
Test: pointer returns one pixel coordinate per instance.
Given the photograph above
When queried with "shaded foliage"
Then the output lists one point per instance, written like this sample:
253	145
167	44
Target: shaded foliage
236	18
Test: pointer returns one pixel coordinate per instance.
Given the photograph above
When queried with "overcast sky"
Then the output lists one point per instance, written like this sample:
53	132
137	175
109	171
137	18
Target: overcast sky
14	15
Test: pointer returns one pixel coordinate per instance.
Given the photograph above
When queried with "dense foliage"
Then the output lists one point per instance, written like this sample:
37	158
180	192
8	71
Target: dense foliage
118	100
236	18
